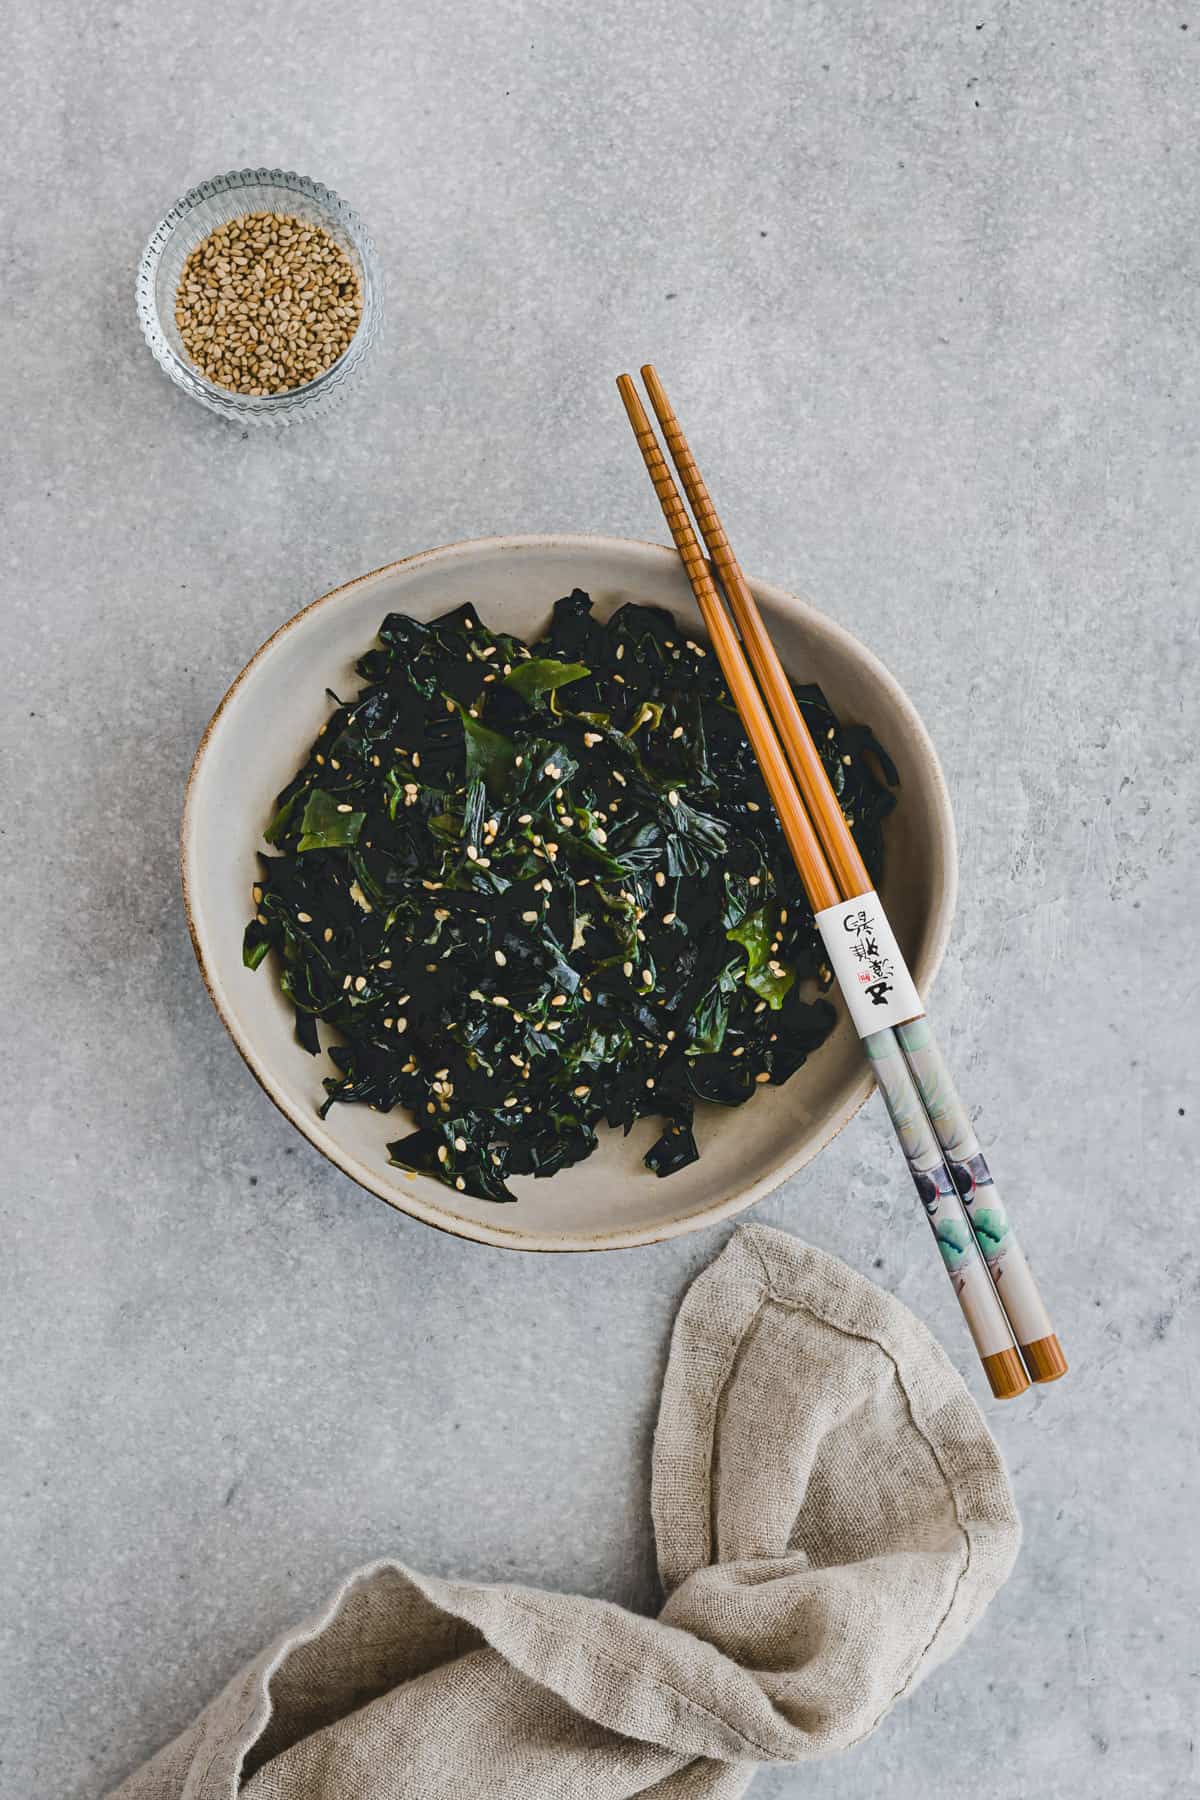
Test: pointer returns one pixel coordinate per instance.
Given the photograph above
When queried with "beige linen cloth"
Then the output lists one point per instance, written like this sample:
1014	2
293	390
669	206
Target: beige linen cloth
831	1516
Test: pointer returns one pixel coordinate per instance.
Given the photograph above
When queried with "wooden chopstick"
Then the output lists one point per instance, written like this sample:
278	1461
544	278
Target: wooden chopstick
943	1207
951	1122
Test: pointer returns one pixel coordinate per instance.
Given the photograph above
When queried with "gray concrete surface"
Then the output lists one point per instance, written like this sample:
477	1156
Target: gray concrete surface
923	280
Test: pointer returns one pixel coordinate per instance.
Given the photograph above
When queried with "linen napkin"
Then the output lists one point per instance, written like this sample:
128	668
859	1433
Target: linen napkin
831	1515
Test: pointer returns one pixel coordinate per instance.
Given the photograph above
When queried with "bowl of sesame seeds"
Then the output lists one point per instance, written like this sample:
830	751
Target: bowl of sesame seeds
260	294
262	732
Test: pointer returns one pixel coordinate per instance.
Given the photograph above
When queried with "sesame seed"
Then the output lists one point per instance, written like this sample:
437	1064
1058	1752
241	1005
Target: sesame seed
460	1143
740	1051
346	983
416	759
327	934
600	836
673	796
559	1000
831	733
620	651
501	959
443	1154
473	852
388	1023
670	918
581	1090
678	732
783	915
256	894
321	760
511	1101
660	879
752	806
530	918
627	970
650	1081
460	1184
519	761
344	808
499	999
304	918
591	737
360	984
647	978
525	819
401	1025
763	1075
334	763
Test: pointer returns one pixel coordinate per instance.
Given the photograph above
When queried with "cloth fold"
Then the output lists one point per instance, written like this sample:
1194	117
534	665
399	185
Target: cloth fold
831	1517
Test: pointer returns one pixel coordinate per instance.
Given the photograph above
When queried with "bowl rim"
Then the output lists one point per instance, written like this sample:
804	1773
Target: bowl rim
292	403
496	1235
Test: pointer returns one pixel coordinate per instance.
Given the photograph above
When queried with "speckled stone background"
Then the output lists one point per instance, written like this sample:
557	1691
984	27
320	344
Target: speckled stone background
923	281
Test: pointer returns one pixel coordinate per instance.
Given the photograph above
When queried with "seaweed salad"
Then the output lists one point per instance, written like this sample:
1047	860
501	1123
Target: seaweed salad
531	889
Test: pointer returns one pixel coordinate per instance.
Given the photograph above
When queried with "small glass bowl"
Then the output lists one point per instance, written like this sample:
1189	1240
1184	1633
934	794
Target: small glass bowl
189	222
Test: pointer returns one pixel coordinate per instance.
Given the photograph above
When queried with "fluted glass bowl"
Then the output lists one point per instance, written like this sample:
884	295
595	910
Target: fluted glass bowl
189	222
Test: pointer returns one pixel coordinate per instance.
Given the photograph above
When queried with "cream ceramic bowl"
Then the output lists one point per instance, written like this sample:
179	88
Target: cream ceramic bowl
259	736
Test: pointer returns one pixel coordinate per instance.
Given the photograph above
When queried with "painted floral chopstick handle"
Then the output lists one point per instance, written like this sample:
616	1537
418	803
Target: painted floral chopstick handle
984	1208
952	1232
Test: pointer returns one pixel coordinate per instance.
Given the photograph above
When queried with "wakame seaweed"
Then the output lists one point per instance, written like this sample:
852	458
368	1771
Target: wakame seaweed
533	889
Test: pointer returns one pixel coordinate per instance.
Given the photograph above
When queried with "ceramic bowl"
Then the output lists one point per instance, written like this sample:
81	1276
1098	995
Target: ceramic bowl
260	734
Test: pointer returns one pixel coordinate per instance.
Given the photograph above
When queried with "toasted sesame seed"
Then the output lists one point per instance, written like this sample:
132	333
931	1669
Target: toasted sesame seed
530	918
660	879
344	808
511	1101
327	934
401	1025
763	1075
334	763
752	806
592	737
647	978
460	1143
347	983
581	1090
304	918
443	1154
416	759
627	970
620	651
670	918
673	796
525	819
650	1081
501	959
473	852
360	984
499	999
256	894
559	1000
740	1051
678	732
460	1184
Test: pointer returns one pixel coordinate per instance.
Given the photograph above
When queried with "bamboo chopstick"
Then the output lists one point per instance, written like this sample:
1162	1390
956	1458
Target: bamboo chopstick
981	1307
1005	1259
